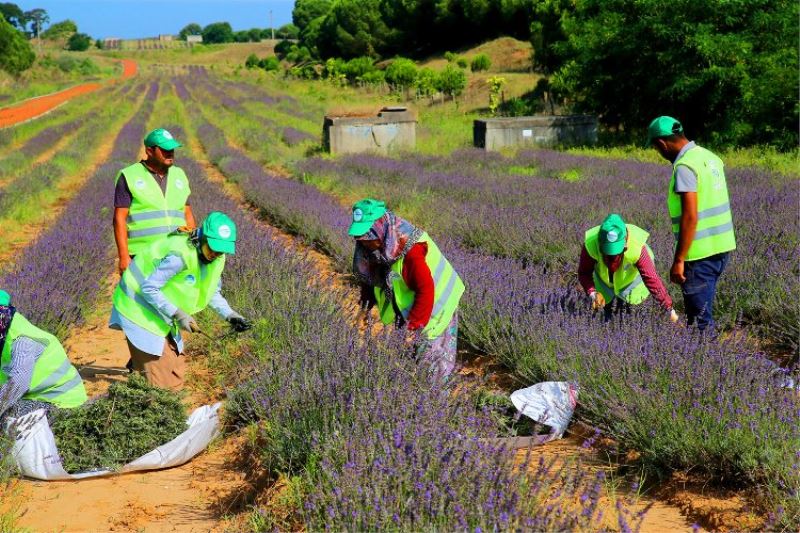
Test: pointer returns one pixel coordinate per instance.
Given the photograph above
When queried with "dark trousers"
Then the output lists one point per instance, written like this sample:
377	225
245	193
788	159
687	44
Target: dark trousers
700	288
618	307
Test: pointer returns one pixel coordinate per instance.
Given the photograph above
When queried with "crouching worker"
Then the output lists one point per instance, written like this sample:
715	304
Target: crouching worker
35	372
414	286
616	265
167	282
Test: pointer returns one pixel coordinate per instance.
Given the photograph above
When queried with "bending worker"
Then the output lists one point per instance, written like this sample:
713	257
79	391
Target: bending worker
701	217
414	286
617	264
151	198
166	283
35	371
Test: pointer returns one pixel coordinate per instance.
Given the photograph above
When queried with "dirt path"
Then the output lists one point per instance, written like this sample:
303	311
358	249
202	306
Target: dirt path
38	106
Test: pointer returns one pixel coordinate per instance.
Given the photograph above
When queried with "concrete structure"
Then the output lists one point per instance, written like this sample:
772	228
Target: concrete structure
194	39
392	129
568	130
165	37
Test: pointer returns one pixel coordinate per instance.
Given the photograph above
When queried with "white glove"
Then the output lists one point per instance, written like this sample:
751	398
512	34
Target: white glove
186	322
673	316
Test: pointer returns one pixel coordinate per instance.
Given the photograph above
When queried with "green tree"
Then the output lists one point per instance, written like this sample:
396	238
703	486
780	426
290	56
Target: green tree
269	63
16	54
307	10
79	42
254	34
218	32
287	31
241	36
728	70
354	28
452	80
190	29
60	30
401	73
37	18
251	61
13	14
426	82
480	62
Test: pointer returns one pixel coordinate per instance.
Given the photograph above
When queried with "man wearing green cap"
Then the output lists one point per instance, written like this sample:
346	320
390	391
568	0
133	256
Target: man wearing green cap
151	198
616	264
35	372
166	283
701	217
402	271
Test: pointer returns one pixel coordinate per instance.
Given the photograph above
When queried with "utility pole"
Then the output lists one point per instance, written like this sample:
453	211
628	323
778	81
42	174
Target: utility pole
271	26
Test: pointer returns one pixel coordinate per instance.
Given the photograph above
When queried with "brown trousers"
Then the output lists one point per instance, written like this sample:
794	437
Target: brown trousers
165	371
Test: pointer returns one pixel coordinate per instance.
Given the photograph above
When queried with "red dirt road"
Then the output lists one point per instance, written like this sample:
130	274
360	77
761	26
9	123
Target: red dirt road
39	105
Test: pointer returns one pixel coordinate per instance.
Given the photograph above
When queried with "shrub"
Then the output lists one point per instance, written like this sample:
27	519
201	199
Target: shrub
283	48
461	62
452	80
401	73
251	61
269	63
481	62
375	77
426	82
79	42
357	67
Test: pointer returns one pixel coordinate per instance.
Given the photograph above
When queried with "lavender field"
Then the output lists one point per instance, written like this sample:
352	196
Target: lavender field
345	419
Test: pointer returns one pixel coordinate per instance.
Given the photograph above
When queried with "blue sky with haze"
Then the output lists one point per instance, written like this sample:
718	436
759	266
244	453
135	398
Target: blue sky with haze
129	19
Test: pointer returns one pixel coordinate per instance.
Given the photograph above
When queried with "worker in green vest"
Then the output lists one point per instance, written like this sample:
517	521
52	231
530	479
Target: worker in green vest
151	198
701	217
35	372
167	282
616	265
404	274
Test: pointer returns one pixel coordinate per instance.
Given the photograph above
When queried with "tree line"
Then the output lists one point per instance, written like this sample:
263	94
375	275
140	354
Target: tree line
729	69
222	32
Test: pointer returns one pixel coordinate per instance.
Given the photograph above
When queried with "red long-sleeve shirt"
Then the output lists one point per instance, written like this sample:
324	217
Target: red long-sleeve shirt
645	265
418	278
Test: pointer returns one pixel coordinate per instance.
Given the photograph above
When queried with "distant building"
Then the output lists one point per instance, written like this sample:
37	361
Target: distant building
112	43
165	37
192	39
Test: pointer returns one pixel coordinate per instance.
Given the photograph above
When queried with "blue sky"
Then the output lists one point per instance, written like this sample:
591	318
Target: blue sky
128	19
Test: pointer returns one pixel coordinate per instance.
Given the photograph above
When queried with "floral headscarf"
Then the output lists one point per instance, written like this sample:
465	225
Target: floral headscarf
6	315
396	236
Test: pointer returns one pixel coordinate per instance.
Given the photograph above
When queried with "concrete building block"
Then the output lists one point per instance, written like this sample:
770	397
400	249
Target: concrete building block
545	131
392	129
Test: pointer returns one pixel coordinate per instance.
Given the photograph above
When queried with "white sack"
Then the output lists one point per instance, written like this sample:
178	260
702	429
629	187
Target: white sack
37	457
551	403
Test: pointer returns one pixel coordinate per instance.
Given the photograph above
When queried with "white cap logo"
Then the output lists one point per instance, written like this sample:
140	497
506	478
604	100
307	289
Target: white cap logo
167	135
358	215
224	231
612	236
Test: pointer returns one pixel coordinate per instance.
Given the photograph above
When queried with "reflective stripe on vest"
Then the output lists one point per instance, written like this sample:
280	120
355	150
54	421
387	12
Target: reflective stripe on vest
627	281
154	213
190	290
448	289
714	233
54	379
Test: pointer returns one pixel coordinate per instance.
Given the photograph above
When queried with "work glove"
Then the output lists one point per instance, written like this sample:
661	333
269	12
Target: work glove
598	300
185	322
673	316
239	323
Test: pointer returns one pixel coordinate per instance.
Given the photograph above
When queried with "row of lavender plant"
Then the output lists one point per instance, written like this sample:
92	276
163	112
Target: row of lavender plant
543	332
377	443
56	279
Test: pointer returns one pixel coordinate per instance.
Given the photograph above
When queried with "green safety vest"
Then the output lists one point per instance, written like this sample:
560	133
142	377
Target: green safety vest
448	289
714	233
191	290
627	283
153	214
54	379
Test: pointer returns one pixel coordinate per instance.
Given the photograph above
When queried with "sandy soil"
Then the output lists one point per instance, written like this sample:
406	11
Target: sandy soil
35	107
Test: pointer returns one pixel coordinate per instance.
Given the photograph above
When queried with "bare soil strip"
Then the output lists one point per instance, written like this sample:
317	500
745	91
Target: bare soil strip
38	106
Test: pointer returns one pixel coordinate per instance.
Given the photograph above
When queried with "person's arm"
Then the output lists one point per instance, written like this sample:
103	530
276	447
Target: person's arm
122	203
586	266
190	221
686	188
168	268
647	269
219	304
24	353
417	276
366	299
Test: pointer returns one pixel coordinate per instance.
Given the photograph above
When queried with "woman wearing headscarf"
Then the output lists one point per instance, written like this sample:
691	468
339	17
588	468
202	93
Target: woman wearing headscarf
35	371
404	274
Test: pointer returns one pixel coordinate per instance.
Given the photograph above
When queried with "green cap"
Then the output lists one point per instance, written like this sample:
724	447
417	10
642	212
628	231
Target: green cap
663	126
5	298
612	235
365	213
219	232
161	138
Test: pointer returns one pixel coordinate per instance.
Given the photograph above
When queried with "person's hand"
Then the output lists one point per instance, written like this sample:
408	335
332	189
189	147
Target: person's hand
239	323
185	322
598	300
676	272
411	335
673	316
124	262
